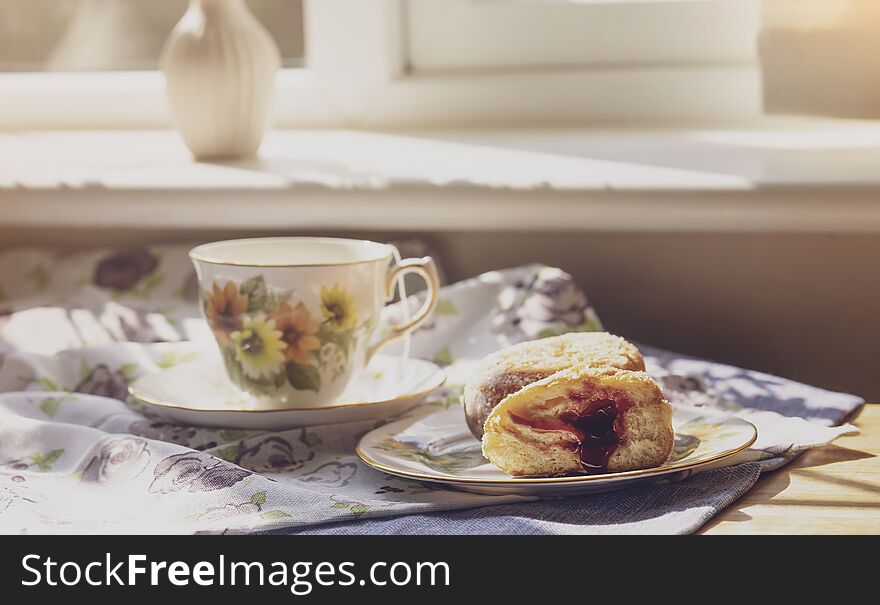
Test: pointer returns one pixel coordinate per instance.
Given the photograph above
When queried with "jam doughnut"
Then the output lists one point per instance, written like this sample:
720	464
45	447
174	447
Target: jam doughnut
515	367
581	420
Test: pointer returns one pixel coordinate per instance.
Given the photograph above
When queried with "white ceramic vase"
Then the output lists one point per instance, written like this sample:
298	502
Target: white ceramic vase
220	65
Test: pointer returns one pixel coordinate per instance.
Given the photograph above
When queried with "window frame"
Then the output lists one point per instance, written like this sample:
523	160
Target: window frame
579	33
382	89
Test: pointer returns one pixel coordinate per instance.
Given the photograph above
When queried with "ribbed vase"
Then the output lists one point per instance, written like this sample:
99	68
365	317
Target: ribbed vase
220	65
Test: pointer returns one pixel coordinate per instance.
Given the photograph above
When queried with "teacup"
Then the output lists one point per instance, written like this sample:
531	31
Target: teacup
296	318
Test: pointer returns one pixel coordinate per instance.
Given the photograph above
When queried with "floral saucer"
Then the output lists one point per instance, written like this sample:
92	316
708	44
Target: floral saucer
202	394
436	446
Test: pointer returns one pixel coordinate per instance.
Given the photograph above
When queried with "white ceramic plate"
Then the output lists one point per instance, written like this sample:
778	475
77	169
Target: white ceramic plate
201	394
436	446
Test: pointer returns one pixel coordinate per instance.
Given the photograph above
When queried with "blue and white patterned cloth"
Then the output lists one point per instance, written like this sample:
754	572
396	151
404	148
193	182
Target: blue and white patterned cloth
75	458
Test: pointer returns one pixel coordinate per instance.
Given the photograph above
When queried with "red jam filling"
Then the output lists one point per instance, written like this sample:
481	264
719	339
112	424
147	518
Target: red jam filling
593	422
596	432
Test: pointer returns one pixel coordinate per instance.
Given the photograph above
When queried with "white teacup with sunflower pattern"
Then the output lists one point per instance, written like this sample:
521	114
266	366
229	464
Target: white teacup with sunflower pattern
296	318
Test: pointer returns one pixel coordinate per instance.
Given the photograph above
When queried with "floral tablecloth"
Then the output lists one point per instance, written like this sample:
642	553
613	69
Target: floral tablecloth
76	328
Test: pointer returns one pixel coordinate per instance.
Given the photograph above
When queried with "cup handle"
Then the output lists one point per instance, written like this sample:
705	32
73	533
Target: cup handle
424	267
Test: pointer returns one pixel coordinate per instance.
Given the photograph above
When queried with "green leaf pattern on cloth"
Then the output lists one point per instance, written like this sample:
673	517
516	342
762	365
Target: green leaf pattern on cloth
50	405
45	461
446	307
443	357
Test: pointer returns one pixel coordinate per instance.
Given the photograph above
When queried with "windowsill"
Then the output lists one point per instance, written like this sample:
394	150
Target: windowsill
785	174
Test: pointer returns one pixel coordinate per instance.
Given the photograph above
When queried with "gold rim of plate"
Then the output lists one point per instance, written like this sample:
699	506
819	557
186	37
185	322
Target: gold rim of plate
132	391
571	479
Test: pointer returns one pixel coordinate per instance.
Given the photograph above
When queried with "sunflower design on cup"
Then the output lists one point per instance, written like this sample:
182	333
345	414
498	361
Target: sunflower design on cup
270	341
298	331
338	308
297	319
224	307
258	347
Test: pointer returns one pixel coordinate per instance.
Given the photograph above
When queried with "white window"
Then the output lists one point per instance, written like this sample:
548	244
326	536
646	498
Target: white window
398	62
93	63
530	34
541	61
117	35
819	57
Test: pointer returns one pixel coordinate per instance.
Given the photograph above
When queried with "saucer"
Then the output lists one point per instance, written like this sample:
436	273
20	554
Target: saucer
201	394
436	446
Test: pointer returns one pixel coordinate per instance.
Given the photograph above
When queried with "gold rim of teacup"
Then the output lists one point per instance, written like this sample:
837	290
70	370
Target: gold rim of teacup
132	391
196	256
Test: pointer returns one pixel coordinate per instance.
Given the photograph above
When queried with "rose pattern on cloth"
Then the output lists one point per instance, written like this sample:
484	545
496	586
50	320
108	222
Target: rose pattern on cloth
166	431
555	297
275	453
337	474
546	302
119	459
71	461
197	438
130	325
194	471
692	391
104	382
123	270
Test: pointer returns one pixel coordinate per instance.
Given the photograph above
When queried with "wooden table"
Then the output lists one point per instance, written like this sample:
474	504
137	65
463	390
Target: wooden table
829	490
